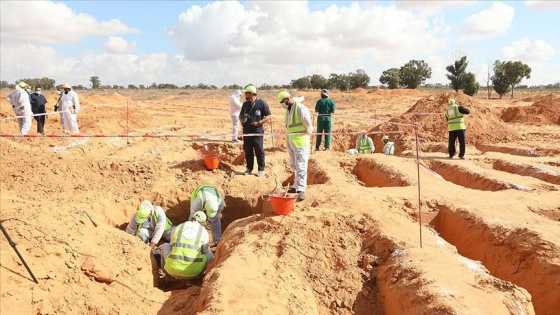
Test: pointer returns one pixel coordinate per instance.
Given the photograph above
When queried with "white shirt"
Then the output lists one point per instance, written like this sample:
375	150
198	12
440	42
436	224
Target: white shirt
234	105
69	102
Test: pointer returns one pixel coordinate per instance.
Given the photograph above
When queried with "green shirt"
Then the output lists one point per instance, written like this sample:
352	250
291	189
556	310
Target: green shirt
324	106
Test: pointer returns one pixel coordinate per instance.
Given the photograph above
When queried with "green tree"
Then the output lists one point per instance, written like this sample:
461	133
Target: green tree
132	87
413	73
301	83
390	77
358	79
44	83
4	84
499	80
469	84
339	81
456	72
317	81
515	72
95	82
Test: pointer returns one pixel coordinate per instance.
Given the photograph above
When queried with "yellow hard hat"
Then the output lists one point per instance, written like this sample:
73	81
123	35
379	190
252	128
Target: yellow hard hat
385	137
250	89
143	212
200	216
22	84
282	95
452	101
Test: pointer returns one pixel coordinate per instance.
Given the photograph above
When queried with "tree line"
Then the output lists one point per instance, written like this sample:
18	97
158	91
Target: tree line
506	76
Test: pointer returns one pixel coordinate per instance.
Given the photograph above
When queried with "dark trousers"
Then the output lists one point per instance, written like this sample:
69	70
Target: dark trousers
323	126
254	146
453	136
40	119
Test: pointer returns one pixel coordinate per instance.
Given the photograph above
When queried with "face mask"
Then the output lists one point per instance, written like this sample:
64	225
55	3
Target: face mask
284	105
38	92
58	92
28	90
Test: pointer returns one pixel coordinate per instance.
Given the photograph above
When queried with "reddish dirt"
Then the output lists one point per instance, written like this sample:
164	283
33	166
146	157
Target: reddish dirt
489	224
544	110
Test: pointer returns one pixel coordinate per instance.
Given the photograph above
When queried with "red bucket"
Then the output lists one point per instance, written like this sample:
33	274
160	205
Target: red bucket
282	204
212	161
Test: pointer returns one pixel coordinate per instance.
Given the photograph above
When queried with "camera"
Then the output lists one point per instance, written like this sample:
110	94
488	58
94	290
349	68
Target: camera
246	119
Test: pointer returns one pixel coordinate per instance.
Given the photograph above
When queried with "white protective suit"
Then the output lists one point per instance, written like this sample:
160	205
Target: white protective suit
69	106
150	231
299	157
234	110
19	99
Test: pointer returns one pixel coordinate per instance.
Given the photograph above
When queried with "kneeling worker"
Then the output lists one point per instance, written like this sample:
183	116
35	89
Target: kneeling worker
207	199
189	253
389	147
364	144
150	224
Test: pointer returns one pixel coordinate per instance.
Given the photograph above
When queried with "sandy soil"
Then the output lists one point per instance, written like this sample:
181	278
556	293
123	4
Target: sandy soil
488	242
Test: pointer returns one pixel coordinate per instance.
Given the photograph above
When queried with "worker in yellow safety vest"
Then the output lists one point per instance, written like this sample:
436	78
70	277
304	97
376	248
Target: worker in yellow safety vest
298	125
207	199
150	224
389	147
456	127
188	254
364	144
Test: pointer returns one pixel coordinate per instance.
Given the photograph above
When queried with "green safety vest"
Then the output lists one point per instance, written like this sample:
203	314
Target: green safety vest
363	144
389	148
294	125
455	120
201	191
185	258
168	223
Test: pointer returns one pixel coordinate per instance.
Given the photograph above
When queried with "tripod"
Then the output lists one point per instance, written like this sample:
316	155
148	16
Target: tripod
13	244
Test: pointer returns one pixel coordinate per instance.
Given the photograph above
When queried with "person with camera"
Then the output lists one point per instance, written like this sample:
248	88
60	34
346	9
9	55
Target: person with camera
254	114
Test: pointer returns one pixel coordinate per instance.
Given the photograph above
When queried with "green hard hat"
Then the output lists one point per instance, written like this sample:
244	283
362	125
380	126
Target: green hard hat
385	137
282	95
250	89
143	212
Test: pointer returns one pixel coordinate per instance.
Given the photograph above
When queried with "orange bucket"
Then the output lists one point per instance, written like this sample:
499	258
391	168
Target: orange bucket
212	161
282	204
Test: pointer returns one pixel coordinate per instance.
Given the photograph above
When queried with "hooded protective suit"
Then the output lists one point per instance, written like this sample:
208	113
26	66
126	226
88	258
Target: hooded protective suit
298	120
69	106
234	110
19	99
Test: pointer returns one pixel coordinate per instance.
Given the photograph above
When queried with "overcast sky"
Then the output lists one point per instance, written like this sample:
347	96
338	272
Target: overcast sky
273	42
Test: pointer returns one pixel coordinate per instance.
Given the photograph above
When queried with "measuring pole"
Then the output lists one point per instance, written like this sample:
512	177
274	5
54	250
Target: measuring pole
13	244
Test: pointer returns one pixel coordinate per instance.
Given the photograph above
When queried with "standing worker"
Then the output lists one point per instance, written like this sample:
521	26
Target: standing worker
69	106
188	254
298	122
207	199
389	147
254	113
364	144
19	98
234	110
456	127
150	224
325	107
38	106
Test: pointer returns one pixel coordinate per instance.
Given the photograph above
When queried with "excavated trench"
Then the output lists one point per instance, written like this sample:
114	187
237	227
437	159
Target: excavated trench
517	255
465	177
373	174
527	170
315	175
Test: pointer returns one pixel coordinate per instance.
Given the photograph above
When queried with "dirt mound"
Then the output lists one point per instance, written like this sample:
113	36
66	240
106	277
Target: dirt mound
483	126
545	110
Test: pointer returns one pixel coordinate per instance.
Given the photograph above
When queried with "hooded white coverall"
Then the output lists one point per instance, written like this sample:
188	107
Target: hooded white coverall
150	231
69	106
22	107
299	156
234	110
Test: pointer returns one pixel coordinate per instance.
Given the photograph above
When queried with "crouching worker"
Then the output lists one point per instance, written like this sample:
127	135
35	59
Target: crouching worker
207	199
188	253
389	147
150	224
364	144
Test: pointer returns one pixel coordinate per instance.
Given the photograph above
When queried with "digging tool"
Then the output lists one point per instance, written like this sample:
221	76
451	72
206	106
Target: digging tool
13	245
271	132
91	219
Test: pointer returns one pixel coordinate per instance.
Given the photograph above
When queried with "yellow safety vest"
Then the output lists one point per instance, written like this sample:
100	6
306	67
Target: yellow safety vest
186	258
168	223
200	192
455	120
363	143
389	148
294	125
